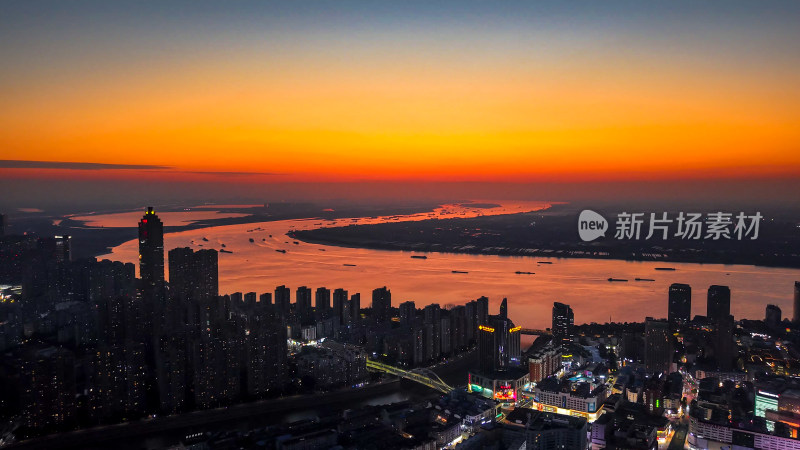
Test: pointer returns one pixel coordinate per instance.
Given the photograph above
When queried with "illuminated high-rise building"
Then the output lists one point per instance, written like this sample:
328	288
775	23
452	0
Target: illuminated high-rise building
63	248
679	309
171	365
563	321
151	250
498	343
47	386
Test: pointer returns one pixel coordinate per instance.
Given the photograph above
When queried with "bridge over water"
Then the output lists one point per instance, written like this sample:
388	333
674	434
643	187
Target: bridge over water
421	375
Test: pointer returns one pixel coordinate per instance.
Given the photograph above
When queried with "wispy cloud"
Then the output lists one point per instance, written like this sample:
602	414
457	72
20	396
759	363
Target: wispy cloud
24	164
21	164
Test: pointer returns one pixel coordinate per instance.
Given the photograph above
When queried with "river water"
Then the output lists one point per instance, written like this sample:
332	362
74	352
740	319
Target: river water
582	283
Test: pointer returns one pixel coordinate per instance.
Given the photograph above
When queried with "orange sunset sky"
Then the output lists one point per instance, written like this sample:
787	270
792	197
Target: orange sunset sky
343	91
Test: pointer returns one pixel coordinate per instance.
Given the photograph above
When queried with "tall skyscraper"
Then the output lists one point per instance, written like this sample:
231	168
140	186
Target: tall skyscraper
283	300
658	345
445	331
563	321
796	316
719	303
47	386
504	308
772	317
193	275
432	316
151	250
265	353
381	304
2	225
471	321
171	365
250	301
498	343
355	307
63	248
180	262
680	303
303	304
206	269
482	311
432	313
408	312
322	300
723	342
340	308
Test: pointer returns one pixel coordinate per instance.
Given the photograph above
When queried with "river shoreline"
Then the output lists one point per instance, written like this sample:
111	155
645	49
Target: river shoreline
110	238
557	254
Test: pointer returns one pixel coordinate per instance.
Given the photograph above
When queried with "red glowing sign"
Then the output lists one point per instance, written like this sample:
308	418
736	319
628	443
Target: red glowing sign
505	393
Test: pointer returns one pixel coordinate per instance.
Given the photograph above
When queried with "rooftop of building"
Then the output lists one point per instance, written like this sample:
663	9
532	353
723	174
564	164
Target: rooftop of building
511	373
628	412
463	403
539	420
579	389
776	384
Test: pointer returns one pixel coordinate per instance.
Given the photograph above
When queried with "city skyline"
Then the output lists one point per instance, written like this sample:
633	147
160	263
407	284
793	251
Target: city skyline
135	348
198	274
454	225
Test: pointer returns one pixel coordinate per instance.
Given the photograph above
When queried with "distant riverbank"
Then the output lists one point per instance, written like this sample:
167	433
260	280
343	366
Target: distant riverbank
311	237
552	233
93	241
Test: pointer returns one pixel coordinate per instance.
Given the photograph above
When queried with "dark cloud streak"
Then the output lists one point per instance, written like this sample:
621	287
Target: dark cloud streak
24	164
21	164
